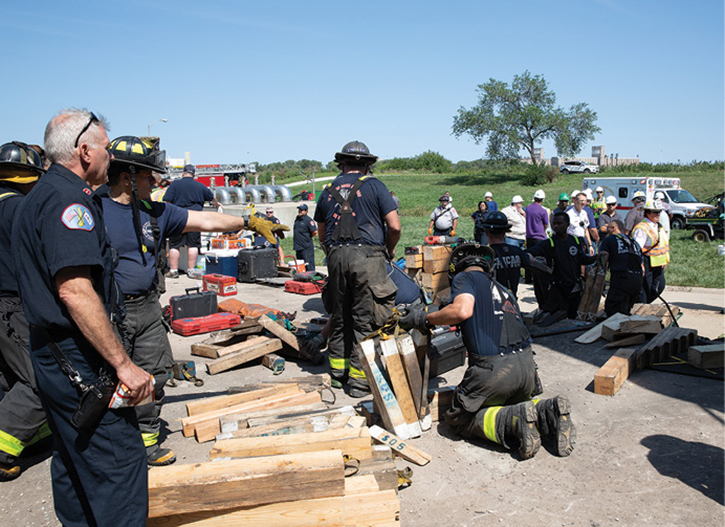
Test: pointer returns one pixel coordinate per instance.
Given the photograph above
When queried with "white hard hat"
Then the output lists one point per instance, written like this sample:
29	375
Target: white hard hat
659	195
488	195
599	189
575	193
638	194
539	194
588	194
517	199
610	200
654	205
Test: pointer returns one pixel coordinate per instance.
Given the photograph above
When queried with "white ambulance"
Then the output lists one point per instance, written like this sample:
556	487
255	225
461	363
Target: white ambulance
684	204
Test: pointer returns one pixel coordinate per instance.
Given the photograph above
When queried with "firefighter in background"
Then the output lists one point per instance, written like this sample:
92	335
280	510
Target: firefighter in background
655	245
599	204
22	419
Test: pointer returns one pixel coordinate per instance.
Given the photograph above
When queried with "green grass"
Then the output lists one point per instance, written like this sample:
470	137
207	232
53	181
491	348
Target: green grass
693	264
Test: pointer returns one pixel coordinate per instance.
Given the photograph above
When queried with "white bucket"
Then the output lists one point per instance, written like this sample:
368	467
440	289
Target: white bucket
721	250
299	265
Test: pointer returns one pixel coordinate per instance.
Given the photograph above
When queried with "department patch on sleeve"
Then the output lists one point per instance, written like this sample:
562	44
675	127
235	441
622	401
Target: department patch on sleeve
78	217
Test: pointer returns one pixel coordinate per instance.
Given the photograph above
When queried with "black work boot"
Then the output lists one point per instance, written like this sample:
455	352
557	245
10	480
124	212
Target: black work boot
159	457
519	423
554	422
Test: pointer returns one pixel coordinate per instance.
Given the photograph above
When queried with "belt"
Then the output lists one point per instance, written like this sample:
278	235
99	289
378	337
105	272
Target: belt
139	295
501	353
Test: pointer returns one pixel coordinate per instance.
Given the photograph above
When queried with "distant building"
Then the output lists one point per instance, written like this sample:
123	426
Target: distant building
598	158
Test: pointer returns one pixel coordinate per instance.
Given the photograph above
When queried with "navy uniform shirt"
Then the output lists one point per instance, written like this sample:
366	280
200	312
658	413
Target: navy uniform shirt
408	291
188	194
605	219
136	273
10	199
372	204
624	253
302	231
482	332
59	225
507	265
566	256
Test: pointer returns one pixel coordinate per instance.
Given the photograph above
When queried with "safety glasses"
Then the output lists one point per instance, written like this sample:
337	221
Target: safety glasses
86	127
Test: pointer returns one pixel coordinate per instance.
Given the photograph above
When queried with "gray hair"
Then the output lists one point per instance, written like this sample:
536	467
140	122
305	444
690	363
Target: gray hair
63	129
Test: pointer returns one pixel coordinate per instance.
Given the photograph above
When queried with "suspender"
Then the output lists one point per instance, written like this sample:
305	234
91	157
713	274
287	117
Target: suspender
346	229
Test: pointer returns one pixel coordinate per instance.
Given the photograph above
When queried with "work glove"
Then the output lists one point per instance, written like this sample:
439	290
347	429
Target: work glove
267	229
430	231
453	232
415	319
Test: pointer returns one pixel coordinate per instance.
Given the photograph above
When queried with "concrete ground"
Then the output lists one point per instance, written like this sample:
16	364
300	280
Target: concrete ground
652	455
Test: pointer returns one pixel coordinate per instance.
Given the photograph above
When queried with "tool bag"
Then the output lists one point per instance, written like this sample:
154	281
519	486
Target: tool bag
194	303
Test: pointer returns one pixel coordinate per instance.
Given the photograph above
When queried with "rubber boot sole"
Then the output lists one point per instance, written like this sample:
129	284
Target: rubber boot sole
161	457
565	435
8	473
526	431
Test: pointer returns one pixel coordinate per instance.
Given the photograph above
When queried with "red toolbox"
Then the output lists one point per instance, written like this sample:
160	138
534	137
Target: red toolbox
221	284
215	322
302	288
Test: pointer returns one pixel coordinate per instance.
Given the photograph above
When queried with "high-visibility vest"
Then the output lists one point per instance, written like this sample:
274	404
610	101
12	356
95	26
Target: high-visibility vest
659	250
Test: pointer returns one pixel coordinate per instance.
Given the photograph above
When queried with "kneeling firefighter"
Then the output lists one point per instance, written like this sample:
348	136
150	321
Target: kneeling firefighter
493	401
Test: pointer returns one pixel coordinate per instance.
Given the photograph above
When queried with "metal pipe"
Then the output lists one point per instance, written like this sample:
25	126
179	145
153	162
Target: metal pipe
222	196
283	192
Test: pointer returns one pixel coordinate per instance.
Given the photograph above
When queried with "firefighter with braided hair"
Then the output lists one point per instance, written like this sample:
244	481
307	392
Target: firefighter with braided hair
494	399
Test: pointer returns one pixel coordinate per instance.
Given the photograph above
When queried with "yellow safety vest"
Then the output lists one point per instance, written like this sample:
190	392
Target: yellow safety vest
659	250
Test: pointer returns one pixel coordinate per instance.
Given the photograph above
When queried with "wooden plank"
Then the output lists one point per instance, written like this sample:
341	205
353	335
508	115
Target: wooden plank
597	292
659	310
406	348
200	349
435	266
274	362
292	413
437	252
637	321
610	377
373	509
399	446
436	282
413	261
180	489
329	512
711	356
384	397
354	442
287	398
355	421
626	341
380	466
440	400
308	383
280	332
596	332
242	356
400	385
240	421
210	404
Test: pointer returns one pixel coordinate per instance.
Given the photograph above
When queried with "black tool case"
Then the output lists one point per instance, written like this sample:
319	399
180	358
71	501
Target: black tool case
194	303
446	352
257	263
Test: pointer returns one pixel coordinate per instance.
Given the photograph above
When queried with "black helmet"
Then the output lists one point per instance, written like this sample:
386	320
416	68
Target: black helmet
468	254
497	221
355	152
141	152
20	163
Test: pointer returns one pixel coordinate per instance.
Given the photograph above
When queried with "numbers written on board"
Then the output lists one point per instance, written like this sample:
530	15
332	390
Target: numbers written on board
392	442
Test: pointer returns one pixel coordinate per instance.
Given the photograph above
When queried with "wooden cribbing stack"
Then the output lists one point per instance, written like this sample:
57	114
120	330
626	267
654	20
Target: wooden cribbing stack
592	295
429	266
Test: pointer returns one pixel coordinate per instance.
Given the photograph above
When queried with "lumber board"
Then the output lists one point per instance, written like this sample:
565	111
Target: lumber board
711	356
284	415
328	512
668	342
214	351
240	421
181	489
280	332
191	423
308	383
356	421
628	340
210	404
295	425
639	321
354	442
596	332
597	292
400	385
414	261
406	348
440	400
436	281
242	356
584	301
381	467
610	377
399	446
437	252
274	362
659	310
372	509
435	266
383	396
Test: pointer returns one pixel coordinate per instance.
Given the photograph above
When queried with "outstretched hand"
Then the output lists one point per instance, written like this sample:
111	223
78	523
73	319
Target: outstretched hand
267	229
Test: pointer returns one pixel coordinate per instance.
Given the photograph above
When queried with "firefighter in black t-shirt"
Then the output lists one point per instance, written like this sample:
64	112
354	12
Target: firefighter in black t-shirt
567	255
624	257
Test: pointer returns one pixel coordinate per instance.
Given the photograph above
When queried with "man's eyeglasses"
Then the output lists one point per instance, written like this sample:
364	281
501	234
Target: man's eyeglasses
86	127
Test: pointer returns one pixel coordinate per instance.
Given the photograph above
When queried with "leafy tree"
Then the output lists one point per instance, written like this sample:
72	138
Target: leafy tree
522	116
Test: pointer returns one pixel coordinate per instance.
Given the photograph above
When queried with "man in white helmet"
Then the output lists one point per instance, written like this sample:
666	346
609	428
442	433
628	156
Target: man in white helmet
490	203
635	215
516	215
655	244
666	210
599	204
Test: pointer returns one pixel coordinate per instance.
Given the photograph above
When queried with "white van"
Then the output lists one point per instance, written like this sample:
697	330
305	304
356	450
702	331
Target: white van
682	202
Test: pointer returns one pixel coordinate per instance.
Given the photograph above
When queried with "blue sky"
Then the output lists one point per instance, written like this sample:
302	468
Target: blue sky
268	81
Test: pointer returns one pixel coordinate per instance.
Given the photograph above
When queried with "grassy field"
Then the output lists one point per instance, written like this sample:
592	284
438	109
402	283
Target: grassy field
693	264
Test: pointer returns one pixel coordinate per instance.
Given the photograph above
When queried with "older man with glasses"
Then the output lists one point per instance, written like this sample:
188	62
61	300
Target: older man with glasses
65	272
